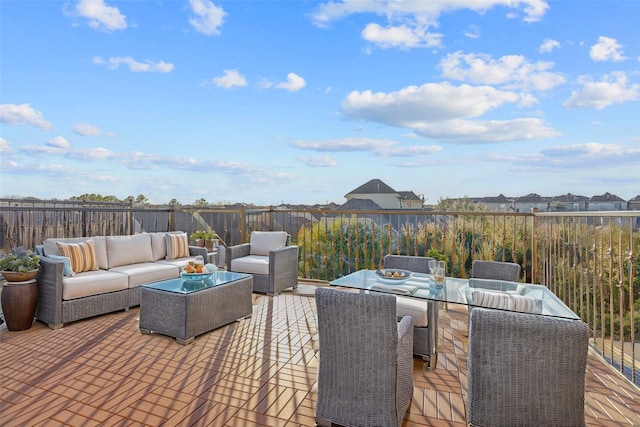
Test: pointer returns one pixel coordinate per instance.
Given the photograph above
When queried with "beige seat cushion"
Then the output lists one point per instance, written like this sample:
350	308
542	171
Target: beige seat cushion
147	272
93	283
251	264
417	309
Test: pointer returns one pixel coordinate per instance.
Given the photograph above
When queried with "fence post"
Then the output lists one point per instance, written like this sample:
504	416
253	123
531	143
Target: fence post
534	247
130	218
242	224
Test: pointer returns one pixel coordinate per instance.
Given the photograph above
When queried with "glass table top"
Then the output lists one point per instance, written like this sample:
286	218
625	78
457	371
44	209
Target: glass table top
185	286
455	291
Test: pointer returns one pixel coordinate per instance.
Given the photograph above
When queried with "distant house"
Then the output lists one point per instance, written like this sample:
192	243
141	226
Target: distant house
568	202
606	202
499	203
634	204
532	201
382	196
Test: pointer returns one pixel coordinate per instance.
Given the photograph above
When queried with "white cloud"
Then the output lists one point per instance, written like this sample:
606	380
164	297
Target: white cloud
101	16
511	71
208	17
135	66
431	102
22	114
318	161
548	45
607	49
614	88
486	131
345	145
408	22
442	111
419	9
58	142
293	84
592	154
39	150
473	32
86	129
412	151
401	36
230	79
4	146
92	154
382	147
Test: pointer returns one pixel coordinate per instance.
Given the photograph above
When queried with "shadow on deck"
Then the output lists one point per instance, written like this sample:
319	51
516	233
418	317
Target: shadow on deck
258	371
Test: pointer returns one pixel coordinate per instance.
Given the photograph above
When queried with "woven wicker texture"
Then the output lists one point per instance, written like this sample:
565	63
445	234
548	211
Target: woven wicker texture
421	337
495	270
283	268
525	370
365	373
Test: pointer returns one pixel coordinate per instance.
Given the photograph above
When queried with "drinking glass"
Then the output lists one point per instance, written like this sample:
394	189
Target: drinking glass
432	265
438	276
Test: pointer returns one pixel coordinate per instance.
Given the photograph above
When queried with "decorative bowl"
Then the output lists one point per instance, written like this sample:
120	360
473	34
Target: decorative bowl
195	276
393	275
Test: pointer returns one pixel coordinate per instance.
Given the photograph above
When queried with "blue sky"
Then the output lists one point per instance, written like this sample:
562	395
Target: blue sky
268	102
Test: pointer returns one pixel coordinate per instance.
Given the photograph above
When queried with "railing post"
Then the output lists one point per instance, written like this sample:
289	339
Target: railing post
242	222
534	247
170	216
130	218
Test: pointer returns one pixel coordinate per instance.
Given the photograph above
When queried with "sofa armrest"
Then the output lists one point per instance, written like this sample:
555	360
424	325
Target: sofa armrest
49	279
197	250
236	251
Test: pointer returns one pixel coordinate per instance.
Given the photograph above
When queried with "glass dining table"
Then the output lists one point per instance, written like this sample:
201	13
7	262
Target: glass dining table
456	291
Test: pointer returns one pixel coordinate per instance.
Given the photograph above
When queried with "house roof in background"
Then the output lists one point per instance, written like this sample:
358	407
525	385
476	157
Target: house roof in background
606	197
408	195
570	198
360	204
374	186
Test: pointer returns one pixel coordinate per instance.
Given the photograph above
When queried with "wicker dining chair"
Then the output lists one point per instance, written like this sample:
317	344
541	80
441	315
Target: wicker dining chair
525	370
416	308
496	270
365	377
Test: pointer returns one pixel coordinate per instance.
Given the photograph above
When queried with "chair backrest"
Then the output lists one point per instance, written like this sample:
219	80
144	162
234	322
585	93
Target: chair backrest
261	242
496	270
525	369
358	355
417	264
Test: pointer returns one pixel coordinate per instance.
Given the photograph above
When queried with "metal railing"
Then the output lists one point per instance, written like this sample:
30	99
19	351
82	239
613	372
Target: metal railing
588	259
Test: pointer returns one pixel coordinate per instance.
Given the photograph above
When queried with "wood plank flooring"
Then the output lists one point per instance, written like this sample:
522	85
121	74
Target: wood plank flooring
258	371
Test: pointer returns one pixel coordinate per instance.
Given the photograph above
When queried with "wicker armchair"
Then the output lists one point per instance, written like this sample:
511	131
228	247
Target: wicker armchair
270	258
525	370
365	375
496	270
422	344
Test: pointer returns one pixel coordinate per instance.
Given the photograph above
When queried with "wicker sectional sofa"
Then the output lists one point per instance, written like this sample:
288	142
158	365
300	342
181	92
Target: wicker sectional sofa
115	269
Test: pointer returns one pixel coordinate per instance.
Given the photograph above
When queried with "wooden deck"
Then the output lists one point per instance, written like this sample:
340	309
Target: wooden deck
258	371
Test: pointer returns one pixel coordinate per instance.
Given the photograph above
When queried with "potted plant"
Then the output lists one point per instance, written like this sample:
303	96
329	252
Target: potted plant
19	265
201	236
20	293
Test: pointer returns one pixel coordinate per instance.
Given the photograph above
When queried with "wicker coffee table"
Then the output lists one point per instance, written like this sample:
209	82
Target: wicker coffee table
184	309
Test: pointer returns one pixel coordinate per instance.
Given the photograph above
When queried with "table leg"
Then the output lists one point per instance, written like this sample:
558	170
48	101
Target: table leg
433	312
